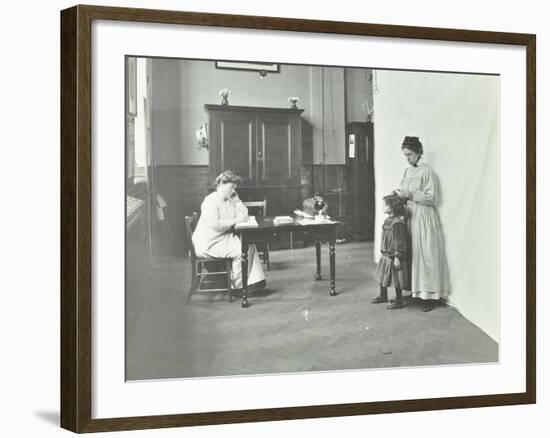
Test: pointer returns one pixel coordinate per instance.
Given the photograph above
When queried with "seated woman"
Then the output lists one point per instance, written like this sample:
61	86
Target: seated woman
214	236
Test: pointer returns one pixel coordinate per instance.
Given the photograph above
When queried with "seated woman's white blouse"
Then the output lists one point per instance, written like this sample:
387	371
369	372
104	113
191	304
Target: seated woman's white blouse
217	217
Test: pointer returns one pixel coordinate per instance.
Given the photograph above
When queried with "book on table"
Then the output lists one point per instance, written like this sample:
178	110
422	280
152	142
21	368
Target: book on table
281	220
251	222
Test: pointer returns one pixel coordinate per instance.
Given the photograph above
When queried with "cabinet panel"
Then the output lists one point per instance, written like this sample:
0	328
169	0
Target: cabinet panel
237	146
280	200
279	150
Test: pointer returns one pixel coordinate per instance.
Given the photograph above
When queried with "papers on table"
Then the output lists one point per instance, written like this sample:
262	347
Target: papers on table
251	222
301	213
306	221
284	220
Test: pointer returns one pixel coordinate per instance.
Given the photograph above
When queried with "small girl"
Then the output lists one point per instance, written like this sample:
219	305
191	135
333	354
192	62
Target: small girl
392	268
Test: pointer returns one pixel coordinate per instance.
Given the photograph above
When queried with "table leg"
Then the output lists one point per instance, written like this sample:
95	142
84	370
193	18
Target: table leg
244	272
332	251
318	258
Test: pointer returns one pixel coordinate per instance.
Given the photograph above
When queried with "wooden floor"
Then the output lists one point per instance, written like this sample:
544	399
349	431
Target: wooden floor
291	326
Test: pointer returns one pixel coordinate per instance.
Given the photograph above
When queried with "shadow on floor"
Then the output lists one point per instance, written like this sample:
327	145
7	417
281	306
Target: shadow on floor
51	417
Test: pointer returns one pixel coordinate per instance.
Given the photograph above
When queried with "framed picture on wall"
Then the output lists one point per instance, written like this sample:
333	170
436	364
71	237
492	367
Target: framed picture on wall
253	66
347	222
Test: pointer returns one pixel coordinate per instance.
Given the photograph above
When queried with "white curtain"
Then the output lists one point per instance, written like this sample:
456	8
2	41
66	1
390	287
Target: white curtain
456	117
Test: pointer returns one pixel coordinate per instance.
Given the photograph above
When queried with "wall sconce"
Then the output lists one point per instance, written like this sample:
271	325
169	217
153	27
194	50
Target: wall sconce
369	110
202	137
263	73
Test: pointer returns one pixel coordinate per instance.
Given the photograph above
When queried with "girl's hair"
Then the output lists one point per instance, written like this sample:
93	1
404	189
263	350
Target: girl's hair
413	144
396	203
227	176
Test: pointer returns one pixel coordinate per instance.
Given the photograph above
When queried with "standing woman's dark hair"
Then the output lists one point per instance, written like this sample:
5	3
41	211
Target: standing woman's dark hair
413	144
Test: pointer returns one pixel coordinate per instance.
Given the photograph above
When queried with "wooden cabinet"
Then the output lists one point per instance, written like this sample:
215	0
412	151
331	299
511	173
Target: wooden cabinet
360	178
264	146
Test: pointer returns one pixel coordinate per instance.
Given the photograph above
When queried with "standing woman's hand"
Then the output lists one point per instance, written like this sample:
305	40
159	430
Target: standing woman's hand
403	193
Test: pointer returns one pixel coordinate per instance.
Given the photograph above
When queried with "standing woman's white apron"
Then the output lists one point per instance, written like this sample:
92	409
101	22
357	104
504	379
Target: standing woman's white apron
429	269
214	239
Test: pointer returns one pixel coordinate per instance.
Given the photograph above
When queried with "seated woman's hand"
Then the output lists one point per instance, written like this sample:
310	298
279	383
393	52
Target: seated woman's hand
235	197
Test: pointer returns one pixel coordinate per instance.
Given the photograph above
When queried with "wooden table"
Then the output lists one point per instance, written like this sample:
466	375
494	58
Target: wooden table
266	230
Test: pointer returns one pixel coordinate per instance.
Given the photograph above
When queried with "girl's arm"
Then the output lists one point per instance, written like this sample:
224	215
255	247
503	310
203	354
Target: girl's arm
400	244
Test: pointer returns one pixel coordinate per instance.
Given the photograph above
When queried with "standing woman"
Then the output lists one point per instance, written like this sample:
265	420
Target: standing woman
429	271
214	236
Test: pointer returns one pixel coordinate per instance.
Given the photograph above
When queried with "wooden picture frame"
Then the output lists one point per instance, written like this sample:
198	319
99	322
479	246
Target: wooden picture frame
76	218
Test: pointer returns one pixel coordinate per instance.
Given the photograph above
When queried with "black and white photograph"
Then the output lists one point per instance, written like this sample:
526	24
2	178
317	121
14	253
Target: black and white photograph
275	219
293	218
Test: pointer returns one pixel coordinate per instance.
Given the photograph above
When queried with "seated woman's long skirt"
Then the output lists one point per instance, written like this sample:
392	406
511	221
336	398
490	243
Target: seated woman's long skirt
230	246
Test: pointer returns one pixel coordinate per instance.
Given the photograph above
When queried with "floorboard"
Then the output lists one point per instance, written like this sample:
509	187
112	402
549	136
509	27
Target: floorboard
291	326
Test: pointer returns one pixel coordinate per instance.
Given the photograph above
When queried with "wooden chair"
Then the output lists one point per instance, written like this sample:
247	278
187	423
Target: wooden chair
262	245
204	267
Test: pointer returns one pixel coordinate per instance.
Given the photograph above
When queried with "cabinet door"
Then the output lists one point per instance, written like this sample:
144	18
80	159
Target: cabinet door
235	145
278	155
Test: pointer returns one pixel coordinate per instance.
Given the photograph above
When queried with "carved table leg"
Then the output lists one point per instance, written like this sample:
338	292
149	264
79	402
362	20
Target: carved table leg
332	251
244	272
318	258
